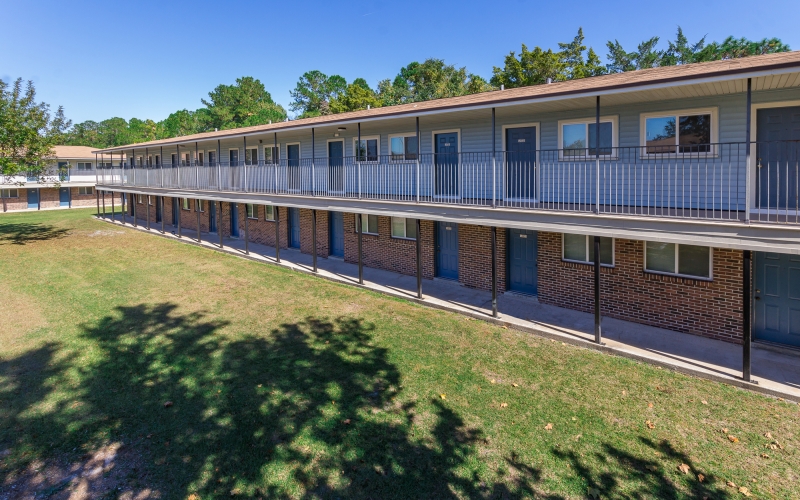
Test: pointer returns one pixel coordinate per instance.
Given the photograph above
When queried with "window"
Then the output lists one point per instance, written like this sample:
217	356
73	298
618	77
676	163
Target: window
579	137
683	260
681	132
369	224
158	161
252	211
9	193
233	157
271	155
149	200
139	199
580	248
185	203
86	190
198	205
269	212
251	156
174	160
212	157
404	228
403	147
368	150
84	165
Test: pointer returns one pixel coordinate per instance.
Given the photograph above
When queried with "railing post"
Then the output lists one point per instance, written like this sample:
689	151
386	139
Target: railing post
244	166
597	168
419	153
494	187
358	165
313	183
748	200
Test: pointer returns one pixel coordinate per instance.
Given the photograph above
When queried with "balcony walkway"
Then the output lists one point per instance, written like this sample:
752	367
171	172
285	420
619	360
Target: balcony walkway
776	370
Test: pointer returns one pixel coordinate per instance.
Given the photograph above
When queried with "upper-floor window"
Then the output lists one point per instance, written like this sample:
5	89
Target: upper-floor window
212	157
86	190
682	260
580	248
369	224
251	156
252	210
200	158
404	228
84	165
368	150
403	147
9	193
691	131
269	212
578	138
271	155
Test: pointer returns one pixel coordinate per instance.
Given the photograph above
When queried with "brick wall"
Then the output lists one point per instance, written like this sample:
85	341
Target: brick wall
48	198
706	308
306	240
475	257
90	200
384	252
20	203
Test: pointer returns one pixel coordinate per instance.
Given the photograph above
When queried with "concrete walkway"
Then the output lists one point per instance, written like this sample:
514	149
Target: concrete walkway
776	371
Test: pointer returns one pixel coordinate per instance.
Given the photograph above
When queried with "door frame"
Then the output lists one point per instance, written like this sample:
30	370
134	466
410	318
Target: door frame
435	253
503	151
234	214
69	197
458	167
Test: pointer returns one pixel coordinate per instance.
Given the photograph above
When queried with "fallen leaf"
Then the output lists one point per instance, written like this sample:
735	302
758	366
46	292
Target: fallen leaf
764	455
701	478
346	421
594	493
624	393
684	468
504	327
652	468
649	405
733	439
514	385
548	427
493	381
503	405
768	435
167	404
744	491
442	396
574	419
724	430
731	484
704	402
650	425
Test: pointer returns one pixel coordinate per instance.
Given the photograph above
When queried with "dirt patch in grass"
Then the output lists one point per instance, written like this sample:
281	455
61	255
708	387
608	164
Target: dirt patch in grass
19	314
112	471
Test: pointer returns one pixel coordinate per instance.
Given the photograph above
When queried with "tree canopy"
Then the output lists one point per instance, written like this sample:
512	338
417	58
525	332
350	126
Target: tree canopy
431	79
244	104
314	92
28	132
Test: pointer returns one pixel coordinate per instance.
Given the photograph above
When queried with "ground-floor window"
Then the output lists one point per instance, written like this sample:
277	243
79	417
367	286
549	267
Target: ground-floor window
580	248
369	224
251	210
149	200
185	203
404	228
198	206
9	193
682	260
139	199
269	212
86	190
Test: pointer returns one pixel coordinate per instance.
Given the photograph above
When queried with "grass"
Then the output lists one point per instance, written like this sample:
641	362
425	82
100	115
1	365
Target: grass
281	385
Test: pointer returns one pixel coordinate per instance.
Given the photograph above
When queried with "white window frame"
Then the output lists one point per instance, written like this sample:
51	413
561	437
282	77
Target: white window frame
669	113
247	207
402	136
139	199
258	154
590	241
87	190
271	146
87	165
355	149
613	119
149	200
273	213
199	202
677	253
3	192
366	217
405	228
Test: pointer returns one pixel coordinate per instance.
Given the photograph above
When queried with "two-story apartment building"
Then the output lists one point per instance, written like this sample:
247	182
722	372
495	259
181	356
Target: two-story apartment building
69	182
671	194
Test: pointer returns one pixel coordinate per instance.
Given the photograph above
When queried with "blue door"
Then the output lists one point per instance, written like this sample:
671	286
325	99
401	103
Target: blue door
175	209
520	162
234	220
212	216
294	228
159	200
336	166
522	252
336	221
777	153
446	164
63	197
33	198
777	298
293	166
447	250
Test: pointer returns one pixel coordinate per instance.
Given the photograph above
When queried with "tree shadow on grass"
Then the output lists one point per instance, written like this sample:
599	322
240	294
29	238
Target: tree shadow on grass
22	233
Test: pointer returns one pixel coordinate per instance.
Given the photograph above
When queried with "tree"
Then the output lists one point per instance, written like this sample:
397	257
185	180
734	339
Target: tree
682	52
314	92
183	122
432	79
571	56
28	132
646	56
244	104
358	95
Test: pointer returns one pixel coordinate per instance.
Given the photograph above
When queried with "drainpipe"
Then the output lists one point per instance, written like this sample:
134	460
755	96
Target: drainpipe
494	182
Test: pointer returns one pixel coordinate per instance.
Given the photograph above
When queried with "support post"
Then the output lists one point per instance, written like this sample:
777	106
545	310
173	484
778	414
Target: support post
246	231
494	265
360	230
494	177
358	163
313	183
748	181
419	154
219	173
597	161
244	167
39	200
277	233
747	330
97	198
104	203
419	257
314	238
197	209
219	224
133	209
161	201
180	213
598	335
147	203
113	219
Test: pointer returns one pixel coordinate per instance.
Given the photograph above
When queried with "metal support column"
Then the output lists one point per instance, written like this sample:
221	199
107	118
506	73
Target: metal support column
219	224
597	160
747	327
419	153
360	230
97	197
358	162
494	173
161	201
133	209
419	256
314	238
313	181
598	336
197	209
147	202
244	167
494	266
277	211
180	215
113	219
748	170
104	203
246	233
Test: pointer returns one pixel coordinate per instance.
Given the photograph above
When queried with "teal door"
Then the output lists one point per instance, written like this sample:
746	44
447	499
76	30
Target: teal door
778	154
446	164
522	254
159	200
33	198
175	209
336	222
336	166
520	162
294	227
777	298
234	220
212	216
63	197
447	250
293	166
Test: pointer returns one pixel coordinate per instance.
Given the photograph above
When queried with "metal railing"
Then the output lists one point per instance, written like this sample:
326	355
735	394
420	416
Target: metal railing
700	181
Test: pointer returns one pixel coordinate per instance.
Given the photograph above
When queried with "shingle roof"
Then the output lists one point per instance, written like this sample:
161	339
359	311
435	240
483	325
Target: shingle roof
630	79
79	152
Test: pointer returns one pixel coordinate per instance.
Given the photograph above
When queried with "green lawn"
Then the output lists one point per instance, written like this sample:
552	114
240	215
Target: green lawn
220	376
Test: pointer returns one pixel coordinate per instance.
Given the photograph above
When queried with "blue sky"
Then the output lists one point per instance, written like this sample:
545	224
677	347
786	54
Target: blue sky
147	59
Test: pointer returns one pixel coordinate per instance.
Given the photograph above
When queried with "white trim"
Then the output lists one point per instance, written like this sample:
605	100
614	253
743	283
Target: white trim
613	251
405	228
676	113
272	146
366	138
613	119
273	212
255	211
403	136
433	160
367	219
335	139
676	274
